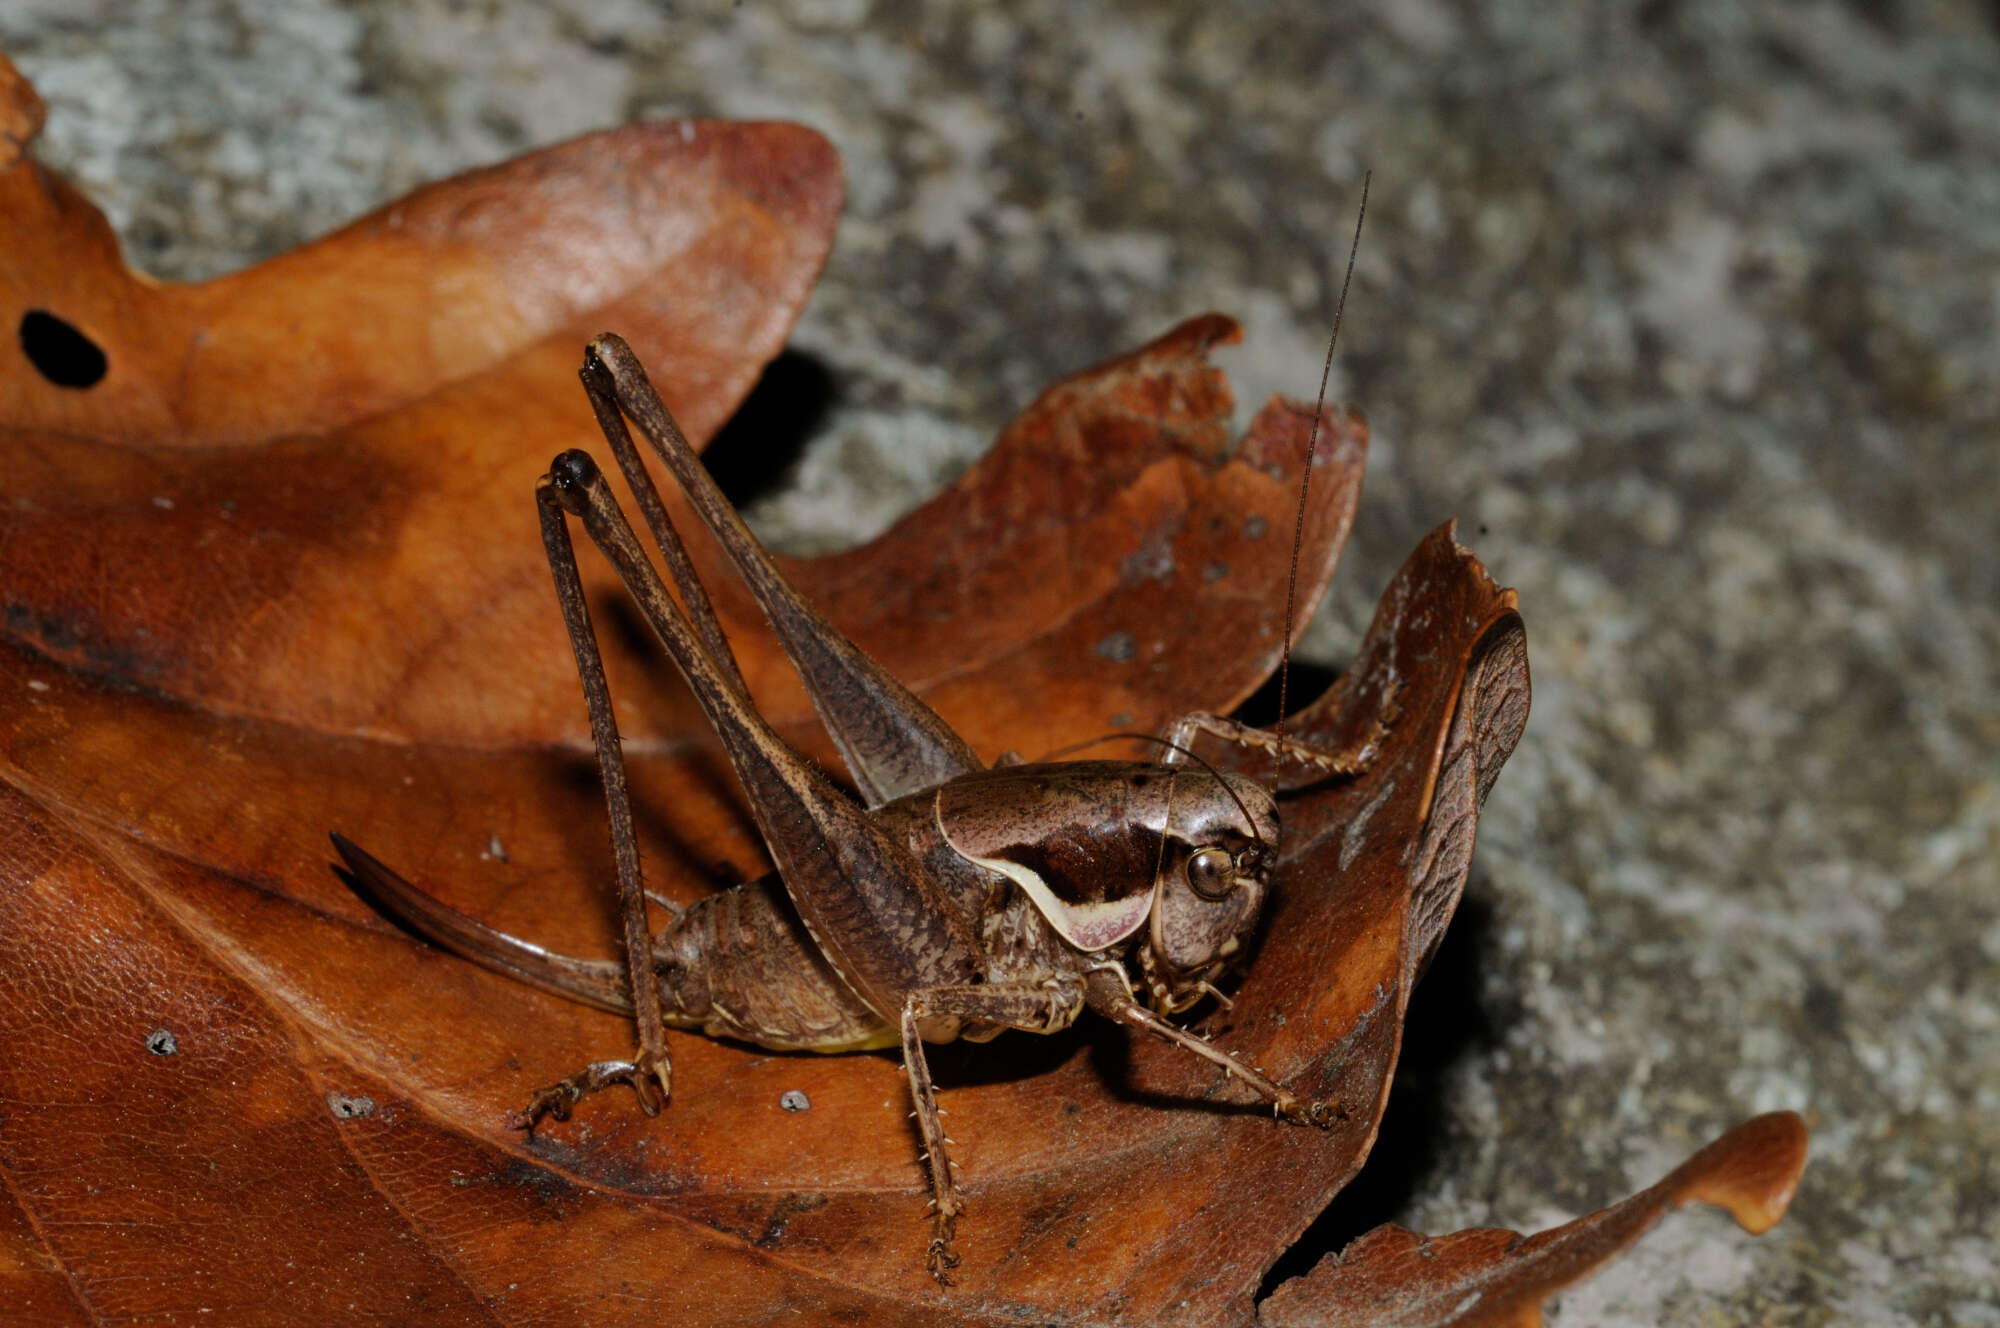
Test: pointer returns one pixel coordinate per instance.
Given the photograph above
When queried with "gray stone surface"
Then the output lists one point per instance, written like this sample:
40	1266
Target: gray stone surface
1687	312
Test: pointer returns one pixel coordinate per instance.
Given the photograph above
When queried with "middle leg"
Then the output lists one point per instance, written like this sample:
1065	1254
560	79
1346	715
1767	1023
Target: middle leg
1045	1007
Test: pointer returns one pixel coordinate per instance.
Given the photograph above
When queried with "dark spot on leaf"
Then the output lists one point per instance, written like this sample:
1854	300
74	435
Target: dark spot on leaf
783	1213
1119	647
161	1042
1153	561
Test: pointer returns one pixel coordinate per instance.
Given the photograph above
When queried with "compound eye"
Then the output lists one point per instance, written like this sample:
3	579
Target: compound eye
1212	873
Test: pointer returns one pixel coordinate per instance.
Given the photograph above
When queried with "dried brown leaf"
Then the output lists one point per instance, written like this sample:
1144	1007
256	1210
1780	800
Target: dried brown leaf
276	574
1492	1278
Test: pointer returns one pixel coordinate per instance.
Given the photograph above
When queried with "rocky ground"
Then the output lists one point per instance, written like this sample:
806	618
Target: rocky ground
1687	313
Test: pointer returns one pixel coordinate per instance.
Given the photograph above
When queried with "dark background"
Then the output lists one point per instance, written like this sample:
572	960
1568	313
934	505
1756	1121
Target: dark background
1686	312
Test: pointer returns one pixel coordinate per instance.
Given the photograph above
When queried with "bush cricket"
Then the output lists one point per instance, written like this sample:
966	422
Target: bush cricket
954	901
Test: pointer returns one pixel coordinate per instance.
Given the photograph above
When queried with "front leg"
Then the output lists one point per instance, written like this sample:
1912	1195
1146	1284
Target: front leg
1348	760
1110	994
1035	1008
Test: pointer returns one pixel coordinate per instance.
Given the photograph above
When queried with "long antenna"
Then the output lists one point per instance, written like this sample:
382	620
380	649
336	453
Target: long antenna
1312	446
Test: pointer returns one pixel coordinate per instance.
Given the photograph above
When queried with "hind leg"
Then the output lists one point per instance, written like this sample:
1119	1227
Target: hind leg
558	1098
650	1066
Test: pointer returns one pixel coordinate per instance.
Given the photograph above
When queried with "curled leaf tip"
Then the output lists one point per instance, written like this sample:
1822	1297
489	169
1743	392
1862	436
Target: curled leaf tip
1493	1278
1750	1172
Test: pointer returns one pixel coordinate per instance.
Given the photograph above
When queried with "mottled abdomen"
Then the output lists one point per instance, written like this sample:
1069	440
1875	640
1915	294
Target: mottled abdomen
739	964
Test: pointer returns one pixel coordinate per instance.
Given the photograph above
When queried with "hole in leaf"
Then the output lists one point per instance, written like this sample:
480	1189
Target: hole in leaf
60	353
350	1108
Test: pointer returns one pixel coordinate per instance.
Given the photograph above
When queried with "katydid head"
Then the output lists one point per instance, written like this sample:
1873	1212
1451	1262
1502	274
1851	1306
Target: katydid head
1170	863
1173	862
1215	866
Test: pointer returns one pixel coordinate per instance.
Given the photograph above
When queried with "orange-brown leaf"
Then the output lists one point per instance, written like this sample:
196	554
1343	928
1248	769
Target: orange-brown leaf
277	574
1395	1278
304	491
